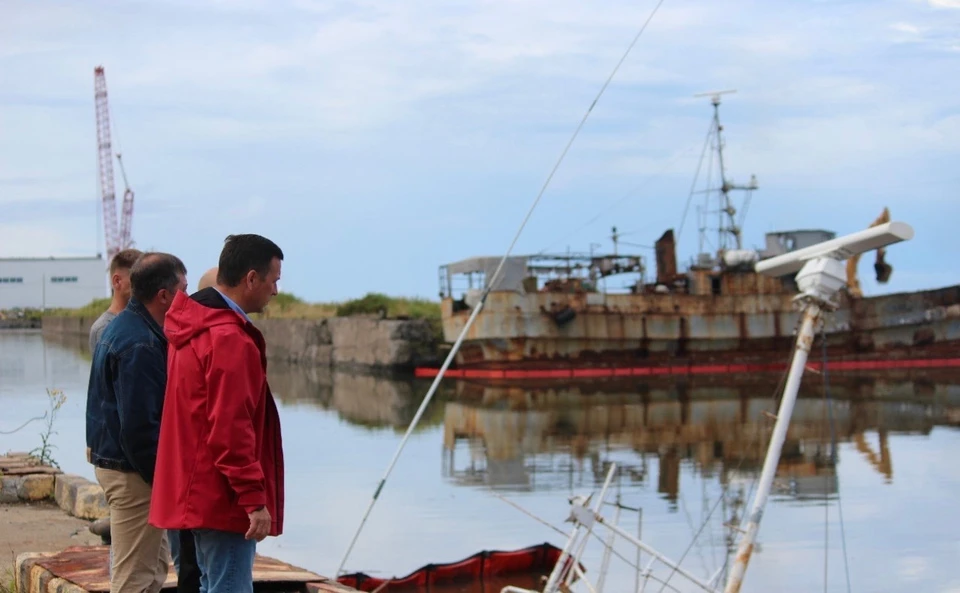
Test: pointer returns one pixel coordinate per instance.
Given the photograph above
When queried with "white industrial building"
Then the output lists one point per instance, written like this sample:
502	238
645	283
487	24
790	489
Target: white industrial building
53	282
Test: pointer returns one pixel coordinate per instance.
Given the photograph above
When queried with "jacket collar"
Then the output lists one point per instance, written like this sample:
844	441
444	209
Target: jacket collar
138	308
213	298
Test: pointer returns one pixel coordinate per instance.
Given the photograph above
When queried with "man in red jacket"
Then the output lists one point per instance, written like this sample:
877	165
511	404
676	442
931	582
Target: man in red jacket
219	470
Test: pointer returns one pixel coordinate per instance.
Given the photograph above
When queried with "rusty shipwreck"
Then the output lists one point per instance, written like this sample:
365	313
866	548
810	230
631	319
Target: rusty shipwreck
547	314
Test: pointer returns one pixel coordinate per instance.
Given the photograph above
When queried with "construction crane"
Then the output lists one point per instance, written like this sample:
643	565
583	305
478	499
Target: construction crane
880	267
126	212
115	239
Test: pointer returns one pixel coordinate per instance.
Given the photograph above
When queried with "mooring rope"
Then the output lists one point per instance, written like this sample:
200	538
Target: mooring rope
833	457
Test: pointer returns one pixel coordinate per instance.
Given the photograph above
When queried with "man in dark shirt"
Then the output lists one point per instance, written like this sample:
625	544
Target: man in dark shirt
120	295
124	406
120	286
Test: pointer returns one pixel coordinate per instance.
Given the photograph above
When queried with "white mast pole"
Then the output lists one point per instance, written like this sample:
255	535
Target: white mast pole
811	315
820	274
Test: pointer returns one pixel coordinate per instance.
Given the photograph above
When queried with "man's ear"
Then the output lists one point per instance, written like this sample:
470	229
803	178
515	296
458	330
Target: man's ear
166	297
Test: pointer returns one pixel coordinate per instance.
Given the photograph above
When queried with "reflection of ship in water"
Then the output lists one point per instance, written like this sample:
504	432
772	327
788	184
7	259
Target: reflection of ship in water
363	400
515	439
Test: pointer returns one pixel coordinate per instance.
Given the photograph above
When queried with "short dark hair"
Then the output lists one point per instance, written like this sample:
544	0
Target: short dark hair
154	272
242	253
124	259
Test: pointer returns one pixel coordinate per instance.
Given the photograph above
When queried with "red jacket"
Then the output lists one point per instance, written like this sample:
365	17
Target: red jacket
220	454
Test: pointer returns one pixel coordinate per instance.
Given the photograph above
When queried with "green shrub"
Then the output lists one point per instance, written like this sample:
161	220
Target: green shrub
92	309
375	303
289	306
370	304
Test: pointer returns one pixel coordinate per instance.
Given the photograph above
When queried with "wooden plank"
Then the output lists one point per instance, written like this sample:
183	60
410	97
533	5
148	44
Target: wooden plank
27	471
15	457
87	567
15	464
11	463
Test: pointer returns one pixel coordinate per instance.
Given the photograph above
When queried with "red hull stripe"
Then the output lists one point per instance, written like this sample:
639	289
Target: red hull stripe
701	369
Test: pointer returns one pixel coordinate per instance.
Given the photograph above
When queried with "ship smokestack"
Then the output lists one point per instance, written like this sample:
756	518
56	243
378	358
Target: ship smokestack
666	253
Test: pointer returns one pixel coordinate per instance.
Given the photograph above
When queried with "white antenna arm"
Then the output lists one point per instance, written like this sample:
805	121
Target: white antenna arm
715	95
840	248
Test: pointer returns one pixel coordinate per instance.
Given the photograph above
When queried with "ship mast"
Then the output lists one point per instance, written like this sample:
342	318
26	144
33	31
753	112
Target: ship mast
727	227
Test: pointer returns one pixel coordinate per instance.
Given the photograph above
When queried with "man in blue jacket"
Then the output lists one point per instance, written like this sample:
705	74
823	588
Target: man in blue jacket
124	406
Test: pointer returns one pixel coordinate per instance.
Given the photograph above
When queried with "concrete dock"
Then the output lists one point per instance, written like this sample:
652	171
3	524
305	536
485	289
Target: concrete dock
85	569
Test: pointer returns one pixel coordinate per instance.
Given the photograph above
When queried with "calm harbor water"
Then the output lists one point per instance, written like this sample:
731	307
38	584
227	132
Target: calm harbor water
677	444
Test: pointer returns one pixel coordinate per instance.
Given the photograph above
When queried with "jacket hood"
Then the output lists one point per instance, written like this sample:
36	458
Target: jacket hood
191	315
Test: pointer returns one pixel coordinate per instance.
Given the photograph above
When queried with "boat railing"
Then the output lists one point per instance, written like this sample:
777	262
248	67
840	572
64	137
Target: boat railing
537	273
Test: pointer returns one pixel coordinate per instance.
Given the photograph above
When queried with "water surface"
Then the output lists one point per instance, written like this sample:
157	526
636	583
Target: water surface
677	443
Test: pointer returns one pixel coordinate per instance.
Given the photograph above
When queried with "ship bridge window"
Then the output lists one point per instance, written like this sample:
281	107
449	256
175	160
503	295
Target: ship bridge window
59	279
11	280
788	242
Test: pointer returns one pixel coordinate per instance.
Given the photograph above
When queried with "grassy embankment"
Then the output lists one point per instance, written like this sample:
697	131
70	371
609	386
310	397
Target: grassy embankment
288	306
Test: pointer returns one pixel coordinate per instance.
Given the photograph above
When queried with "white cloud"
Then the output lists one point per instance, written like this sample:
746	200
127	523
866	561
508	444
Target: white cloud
341	113
906	28
913	568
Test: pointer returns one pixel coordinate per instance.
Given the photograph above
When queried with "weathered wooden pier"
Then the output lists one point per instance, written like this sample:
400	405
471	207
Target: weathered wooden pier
85	569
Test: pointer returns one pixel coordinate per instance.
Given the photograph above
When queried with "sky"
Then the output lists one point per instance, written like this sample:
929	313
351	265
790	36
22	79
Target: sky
376	141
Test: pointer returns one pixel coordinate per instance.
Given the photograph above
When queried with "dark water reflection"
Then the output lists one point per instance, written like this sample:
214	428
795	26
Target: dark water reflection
689	453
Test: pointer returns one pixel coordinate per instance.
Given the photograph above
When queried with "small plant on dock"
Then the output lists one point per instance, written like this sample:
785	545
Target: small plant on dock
8	578
44	453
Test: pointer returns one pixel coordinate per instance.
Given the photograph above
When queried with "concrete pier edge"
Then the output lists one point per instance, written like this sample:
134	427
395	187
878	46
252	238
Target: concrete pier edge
24	480
361	343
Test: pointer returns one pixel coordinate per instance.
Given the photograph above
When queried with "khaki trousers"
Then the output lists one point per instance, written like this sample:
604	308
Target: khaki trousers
141	553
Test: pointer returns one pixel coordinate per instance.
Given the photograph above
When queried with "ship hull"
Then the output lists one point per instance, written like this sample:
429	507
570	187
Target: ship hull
541	330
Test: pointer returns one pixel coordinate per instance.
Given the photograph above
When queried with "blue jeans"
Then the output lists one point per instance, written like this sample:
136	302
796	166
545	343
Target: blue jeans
173	536
226	561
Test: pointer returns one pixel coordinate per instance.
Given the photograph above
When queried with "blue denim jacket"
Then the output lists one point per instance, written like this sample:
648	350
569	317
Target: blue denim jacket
125	394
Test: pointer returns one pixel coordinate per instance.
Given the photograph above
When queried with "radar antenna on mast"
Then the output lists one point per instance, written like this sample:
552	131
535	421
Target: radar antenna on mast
715	95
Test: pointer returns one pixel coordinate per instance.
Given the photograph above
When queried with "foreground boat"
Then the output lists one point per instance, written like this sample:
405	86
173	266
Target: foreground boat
484	572
550	312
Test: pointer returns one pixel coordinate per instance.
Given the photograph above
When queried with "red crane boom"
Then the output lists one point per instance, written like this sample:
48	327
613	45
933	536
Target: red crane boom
114	239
